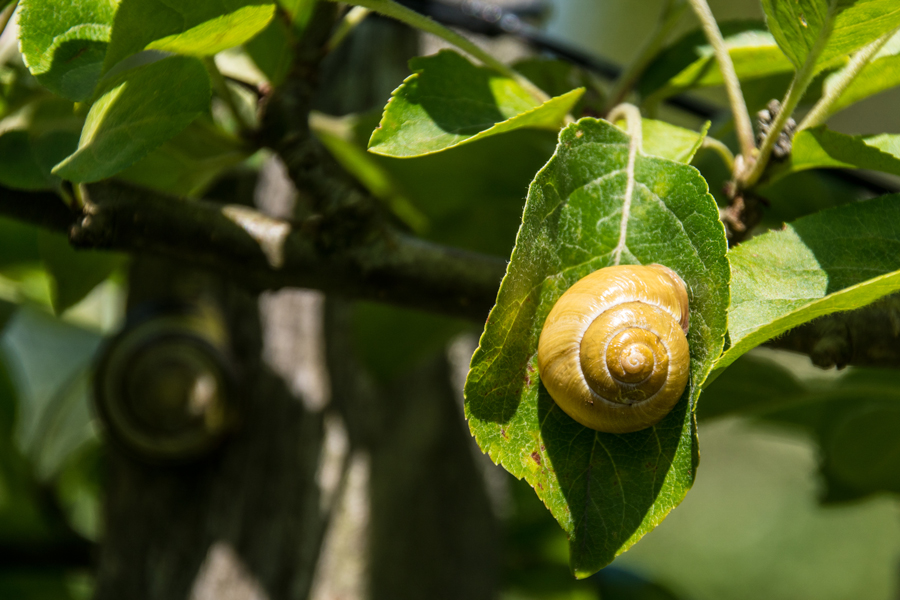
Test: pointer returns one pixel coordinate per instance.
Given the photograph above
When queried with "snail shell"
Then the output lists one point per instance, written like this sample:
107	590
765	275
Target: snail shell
613	352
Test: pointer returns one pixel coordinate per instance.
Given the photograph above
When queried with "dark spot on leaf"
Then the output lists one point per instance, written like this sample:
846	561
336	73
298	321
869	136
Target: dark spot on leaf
77	54
503	433
542	487
530	368
536	457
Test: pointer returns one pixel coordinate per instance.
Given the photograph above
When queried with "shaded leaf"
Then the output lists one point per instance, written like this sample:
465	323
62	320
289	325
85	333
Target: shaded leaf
64	43
48	361
606	490
753	385
271	52
196	28
831	261
18	243
187	164
690	62
848	25
74	272
819	148
448	101
557	77
136	111
391	341
481	211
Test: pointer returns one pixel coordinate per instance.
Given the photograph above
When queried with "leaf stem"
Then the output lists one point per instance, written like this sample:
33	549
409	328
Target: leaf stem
801	81
391	9
742	123
721	149
822	110
225	93
669	17
348	23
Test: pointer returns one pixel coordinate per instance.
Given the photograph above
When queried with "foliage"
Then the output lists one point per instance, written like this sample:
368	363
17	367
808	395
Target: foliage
135	91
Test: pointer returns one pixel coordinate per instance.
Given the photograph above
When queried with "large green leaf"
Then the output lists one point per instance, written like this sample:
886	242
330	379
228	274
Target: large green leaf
448	101
137	110
835	260
64	43
34	139
195	28
75	272
690	62
189	162
606	490
820	148
848	24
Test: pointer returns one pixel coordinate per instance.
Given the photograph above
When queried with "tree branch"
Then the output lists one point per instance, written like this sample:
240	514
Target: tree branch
866	337
336	255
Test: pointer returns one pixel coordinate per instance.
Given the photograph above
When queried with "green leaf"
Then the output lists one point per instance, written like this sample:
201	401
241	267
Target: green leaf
137	110
752	385
557	77
690	62
481	211
187	164
882	74
18	243
75	273
36	138
448	101
414	337
606	490
835	260
64	43
366	169
848	24
669	141
196	28
271	52
819	148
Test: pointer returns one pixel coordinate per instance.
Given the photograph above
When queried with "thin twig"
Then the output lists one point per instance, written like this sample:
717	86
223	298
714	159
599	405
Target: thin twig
669	17
354	17
721	149
391	9
822	110
742	123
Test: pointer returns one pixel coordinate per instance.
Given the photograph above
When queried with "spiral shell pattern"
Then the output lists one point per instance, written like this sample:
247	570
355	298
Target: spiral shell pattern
613	352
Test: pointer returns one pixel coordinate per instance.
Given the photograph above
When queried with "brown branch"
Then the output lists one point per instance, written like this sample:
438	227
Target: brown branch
867	337
337	255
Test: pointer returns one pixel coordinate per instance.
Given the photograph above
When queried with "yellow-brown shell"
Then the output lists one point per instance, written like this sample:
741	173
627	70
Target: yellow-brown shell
613	352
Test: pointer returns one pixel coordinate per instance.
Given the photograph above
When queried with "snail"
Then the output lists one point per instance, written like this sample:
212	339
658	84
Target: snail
613	352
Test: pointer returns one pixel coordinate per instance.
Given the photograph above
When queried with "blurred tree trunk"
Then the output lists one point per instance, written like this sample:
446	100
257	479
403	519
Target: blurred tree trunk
333	486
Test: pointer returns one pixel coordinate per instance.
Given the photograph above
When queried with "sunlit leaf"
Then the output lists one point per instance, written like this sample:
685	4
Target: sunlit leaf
64	43
606	490
196	28
847	25
448	101
136	111
834	260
